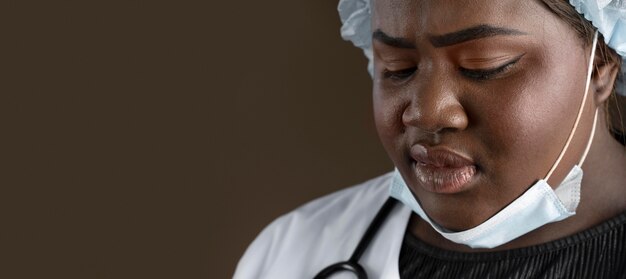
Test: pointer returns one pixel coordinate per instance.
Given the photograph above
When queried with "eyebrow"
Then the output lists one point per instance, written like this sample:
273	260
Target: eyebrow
391	41
465	35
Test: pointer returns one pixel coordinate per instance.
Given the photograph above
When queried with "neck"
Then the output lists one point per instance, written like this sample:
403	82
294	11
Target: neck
604	181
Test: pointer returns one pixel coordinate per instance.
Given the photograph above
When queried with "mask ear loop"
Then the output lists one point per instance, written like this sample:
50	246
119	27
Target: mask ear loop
580	112
593	132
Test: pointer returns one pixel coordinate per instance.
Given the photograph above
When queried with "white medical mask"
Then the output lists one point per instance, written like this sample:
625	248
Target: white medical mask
538	206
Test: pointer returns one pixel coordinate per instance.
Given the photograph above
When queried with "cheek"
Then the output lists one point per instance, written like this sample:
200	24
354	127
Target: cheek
531	122
388	120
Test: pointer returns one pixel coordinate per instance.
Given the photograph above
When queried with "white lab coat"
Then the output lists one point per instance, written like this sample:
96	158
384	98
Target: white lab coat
326	231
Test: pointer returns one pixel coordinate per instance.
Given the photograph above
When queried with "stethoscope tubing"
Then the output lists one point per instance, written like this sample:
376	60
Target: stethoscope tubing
352	265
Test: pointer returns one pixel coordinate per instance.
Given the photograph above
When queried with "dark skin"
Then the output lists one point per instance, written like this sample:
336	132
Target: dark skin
500	82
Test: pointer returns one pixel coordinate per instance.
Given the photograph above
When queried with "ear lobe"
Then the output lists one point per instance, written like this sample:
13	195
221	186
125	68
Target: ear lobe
602	80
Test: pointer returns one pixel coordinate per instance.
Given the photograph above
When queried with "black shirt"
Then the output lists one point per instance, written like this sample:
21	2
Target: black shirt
599	252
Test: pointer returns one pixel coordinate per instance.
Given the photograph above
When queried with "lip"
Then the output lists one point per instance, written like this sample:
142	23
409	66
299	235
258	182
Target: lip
441	170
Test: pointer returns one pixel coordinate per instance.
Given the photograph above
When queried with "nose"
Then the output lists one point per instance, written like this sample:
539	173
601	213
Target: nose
434	107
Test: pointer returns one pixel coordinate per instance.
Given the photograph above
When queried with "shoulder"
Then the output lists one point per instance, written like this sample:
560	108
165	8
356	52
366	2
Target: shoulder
306	232
348	201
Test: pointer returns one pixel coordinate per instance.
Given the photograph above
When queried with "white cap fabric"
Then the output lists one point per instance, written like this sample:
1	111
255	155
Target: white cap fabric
356	18
609	16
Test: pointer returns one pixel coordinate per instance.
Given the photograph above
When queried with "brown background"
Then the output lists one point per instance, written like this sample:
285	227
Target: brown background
154	139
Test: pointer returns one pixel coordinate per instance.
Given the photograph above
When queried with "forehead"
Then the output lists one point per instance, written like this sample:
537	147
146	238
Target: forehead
403	17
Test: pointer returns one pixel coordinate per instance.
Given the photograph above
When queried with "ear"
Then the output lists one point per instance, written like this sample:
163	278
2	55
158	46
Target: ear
602	79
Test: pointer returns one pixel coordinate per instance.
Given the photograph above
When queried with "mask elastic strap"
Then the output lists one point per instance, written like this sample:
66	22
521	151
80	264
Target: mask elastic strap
580	112
593	132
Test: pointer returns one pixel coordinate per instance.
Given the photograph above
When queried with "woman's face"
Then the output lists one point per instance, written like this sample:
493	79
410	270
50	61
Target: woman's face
474	100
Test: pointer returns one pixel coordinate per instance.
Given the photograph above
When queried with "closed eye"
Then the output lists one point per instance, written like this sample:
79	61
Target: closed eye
400	74
486	74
